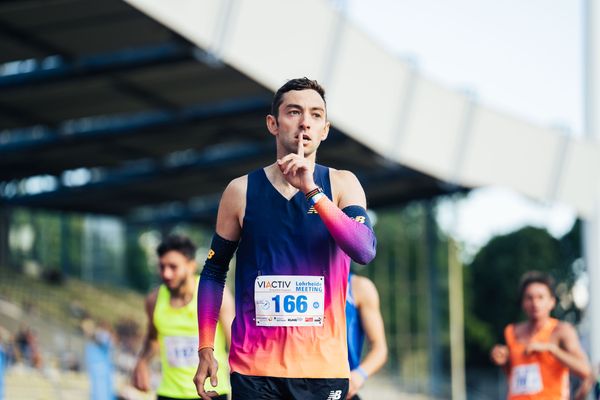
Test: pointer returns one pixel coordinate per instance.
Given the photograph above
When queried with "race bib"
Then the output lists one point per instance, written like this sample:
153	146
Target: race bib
526	379
289	300
182	351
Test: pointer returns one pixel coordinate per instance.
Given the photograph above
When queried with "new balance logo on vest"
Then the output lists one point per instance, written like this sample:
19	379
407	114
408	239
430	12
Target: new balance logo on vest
312	210
335	395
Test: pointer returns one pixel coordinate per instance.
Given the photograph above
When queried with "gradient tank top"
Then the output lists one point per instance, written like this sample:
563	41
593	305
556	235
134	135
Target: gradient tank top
285	242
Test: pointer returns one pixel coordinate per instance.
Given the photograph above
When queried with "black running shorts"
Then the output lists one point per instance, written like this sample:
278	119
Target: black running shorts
245	387
220	397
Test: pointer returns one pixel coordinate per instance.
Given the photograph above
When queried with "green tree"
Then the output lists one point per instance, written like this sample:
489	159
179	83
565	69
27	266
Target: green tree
137	273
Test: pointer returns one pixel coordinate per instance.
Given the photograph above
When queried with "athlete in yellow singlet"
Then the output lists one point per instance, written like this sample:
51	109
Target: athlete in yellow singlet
173	326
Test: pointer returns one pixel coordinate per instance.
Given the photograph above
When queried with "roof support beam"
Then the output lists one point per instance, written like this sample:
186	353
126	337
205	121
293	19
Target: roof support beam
25	116
57	68
30	40
110	125
219	156
146	170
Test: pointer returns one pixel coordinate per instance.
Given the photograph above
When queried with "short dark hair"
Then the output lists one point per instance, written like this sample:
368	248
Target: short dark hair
295	84
535	277
179	243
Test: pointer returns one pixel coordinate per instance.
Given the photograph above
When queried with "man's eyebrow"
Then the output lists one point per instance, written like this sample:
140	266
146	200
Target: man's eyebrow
318	108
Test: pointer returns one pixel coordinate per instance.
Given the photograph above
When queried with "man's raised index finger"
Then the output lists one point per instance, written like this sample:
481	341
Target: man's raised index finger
300	145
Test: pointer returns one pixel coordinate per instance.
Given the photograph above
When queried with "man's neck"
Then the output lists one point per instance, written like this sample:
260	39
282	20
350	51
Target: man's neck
535	325
185	292
276	178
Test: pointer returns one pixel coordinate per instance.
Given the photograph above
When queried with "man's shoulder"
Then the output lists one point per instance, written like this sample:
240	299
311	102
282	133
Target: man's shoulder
237	186
341	174
239	183
564	328
359	280
517	326
344	182
363	287
153	293
151	299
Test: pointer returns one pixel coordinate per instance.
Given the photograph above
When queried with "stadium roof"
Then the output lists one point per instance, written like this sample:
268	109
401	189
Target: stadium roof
104	110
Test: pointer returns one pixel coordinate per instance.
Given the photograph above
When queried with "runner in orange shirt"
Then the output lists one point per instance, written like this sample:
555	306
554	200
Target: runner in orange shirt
540	352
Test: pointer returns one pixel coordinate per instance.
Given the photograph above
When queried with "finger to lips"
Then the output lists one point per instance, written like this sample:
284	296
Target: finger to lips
300	146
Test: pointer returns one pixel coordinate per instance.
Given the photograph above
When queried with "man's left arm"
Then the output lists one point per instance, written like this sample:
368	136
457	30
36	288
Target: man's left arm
568	351
575	359
367	299
346	217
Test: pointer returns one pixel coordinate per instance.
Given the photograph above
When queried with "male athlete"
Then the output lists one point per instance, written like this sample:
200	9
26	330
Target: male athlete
297	224
363	318
173	325
540	352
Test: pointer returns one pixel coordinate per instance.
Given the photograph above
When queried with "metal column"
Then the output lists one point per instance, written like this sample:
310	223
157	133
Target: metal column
591	228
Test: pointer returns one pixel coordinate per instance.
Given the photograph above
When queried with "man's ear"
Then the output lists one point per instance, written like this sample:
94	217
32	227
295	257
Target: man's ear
325	131
272	125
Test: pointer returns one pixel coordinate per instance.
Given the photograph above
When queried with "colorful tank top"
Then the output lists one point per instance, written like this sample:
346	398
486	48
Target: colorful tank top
291	280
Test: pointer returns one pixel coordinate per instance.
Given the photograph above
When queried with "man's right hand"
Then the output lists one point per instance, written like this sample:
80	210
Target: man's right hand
141	377
499	355
207	367
356	382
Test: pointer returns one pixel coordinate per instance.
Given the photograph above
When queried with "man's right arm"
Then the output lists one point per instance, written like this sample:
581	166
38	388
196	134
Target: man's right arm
500	353
212	280
227	314
141	373
214	273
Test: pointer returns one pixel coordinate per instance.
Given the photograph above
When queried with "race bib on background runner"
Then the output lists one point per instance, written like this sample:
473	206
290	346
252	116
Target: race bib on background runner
182	351
289	300
526	379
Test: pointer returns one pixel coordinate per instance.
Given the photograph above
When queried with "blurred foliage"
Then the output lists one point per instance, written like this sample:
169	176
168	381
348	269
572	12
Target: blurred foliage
492	280
137	273
410	247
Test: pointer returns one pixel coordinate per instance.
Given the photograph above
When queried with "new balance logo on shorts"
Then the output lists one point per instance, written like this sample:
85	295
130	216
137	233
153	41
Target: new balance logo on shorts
335	395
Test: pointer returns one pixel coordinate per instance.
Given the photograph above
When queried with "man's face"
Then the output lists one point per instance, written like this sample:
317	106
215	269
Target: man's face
537	301
175	269
302	116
